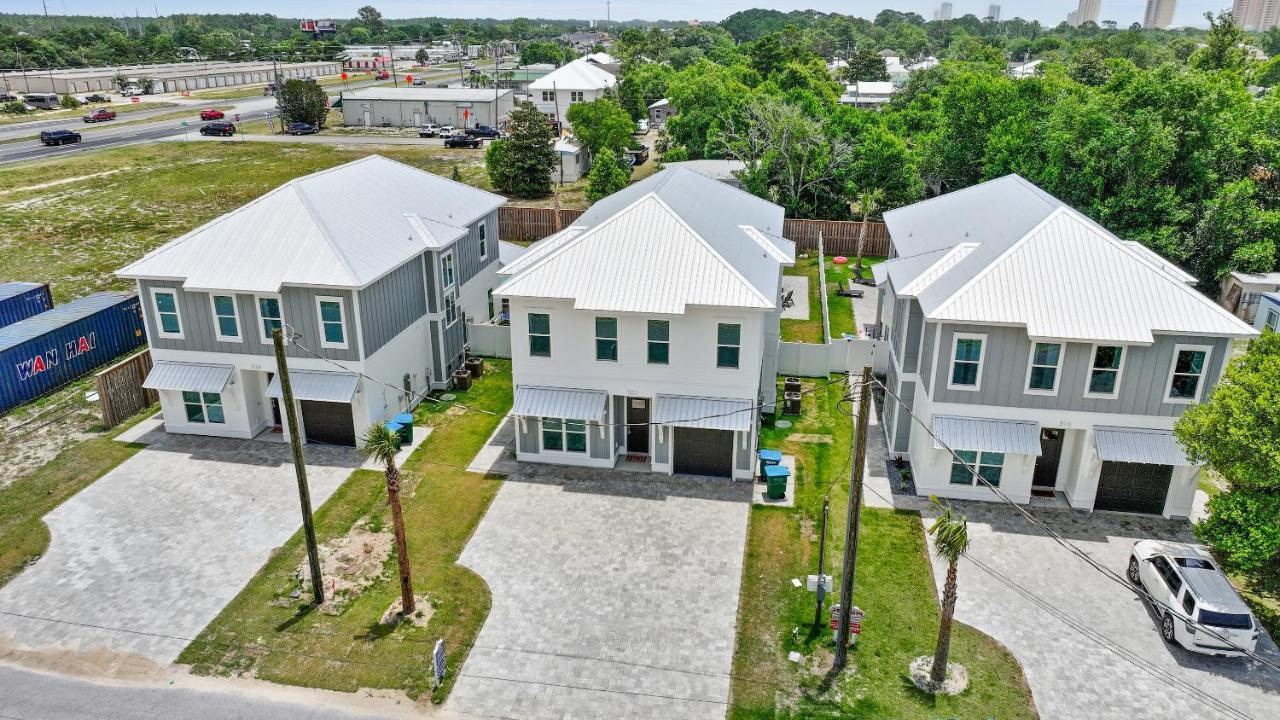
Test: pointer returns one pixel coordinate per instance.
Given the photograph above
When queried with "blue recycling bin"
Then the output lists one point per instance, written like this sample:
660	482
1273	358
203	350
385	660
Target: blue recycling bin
770	457
775	477
396	428
405	421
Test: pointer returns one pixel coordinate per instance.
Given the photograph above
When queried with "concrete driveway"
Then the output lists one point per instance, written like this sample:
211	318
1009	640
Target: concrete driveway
159	545
1072	676
614	596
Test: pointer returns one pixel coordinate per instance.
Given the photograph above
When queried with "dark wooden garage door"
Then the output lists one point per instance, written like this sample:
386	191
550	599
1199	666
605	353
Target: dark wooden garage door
1133	487
704	452
329	423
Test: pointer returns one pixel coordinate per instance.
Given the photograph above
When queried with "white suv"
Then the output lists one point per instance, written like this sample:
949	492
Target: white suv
1198	607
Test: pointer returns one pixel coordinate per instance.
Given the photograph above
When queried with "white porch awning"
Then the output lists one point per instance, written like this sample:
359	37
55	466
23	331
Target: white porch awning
1139	445
318	386
569	403
1004	436
194	377
702	412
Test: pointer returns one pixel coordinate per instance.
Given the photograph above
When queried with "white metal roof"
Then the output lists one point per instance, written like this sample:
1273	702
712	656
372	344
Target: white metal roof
342	227
577	75
567	403
567	146
602	58
194	377
1268	278
509	252
1139	445
1160	262
715	169
424	94
540	249
1003	436
319	386
703	412
660	103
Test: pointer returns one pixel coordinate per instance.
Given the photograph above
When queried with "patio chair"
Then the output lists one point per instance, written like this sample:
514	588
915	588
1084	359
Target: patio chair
788	299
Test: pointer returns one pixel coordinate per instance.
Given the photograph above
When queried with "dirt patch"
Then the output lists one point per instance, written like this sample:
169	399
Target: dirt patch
810	438
96	661
808	529
34	434
348	564
423	610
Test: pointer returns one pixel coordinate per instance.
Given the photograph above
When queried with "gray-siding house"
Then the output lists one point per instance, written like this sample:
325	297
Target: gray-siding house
1051	355
373	267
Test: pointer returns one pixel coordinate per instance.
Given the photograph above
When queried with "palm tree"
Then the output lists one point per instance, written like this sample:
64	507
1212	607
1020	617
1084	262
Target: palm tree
382	445
951	538
868	202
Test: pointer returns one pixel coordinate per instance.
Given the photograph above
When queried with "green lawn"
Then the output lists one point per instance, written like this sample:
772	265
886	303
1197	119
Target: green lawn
840	309
76	113
894	587
273	637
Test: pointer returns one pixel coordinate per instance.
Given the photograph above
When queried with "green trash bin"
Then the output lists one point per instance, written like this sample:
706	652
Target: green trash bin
405	421
775	477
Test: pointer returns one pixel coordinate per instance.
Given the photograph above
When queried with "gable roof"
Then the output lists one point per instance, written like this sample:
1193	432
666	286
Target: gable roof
342	227
577	75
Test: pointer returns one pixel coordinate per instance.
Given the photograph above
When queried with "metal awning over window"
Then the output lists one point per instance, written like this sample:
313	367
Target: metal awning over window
192	377
706	413
318	386
560	403
1002	436
1139	445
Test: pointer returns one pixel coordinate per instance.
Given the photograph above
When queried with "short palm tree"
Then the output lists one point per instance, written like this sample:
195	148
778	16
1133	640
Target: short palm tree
868	203
382	445
951	538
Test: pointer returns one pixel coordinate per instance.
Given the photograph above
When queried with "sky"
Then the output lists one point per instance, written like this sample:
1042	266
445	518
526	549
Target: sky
1049	12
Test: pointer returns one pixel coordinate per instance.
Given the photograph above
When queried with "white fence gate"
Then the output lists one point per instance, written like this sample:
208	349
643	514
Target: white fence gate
490	340
815	360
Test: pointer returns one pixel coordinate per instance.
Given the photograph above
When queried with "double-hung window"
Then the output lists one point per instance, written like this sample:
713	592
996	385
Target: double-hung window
607	338
575	96
226	321
168	317
333	332
1186	376
563	435
539	334
728	344
447	275
269	318
1272	322
989	465
548	96
659	333
966	362
1104	372
1042	374
484	244
203	407
450	307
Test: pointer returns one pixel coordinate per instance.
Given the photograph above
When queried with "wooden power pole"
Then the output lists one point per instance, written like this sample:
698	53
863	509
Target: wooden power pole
849	571
299	467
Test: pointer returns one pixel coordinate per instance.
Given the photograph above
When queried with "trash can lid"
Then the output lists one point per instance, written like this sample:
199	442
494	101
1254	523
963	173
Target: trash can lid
394	427
403	418
776	471
771	455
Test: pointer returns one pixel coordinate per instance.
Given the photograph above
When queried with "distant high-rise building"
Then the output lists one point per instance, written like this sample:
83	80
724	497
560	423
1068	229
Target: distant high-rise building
993	11
1087	11
1159	14
943	12
1257	15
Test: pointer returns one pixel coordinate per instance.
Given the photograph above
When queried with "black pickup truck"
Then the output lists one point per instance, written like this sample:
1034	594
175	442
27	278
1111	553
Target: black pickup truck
483	131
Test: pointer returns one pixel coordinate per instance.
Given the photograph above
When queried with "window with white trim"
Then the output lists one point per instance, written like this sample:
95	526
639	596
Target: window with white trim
659	342
447	276
575	96
728	344
1104	372
1272	322
548	96
966	362
1186	375
564	435
1042	374
607	339
539	334
168	317
450	307
333	330
226	320
203	407
989	465
484	244
269	317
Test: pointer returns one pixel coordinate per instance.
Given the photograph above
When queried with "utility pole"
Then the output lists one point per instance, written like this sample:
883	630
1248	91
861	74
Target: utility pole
391	55
822	563
299	466
849	573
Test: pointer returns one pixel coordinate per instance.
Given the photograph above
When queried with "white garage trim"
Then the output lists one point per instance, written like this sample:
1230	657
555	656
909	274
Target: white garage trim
1139	445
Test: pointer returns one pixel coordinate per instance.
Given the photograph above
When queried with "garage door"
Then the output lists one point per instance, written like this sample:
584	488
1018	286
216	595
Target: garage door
704	452
327	422
1133	487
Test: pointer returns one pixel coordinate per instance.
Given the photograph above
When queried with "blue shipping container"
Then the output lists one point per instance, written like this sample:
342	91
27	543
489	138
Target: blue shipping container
45	352
21	300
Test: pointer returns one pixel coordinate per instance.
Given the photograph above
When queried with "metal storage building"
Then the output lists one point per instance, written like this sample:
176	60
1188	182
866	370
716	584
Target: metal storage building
45	352
21	300
412	106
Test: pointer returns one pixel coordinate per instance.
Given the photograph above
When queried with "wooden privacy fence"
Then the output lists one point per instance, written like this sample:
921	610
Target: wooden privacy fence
531	223
120	389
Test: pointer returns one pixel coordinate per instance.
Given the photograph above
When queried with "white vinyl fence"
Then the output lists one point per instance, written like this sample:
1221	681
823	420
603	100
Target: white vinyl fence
815	360
490	340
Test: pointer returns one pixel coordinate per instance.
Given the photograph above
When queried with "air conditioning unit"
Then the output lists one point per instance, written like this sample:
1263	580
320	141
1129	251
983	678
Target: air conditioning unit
791	403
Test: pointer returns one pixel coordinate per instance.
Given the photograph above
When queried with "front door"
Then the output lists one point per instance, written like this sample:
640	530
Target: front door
638	425
275	405
1046	472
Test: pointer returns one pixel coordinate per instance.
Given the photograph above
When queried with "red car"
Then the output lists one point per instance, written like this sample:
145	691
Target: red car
384	75
211	114
99	115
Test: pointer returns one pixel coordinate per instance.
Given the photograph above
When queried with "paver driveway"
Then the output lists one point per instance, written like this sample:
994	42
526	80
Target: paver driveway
161	543
614	596
1070	675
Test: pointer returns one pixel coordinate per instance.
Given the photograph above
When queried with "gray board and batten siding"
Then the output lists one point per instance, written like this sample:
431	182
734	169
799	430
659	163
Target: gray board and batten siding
391	304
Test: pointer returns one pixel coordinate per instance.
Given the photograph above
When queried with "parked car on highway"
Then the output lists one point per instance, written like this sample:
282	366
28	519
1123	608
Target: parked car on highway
59	137
483	131
419	83
428	130
462	141
382	75
100	115
212	114
301	128
97	98
1197	606
223	129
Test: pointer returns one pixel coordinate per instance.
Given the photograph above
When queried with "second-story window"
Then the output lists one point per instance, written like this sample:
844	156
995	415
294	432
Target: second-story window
1042	376
659	342
575	96
269	317
539	335
728	344
966	362
226	322
1187	374
333	332
607	338
484	245
548	96
168	318
447	275
1104	373
450	308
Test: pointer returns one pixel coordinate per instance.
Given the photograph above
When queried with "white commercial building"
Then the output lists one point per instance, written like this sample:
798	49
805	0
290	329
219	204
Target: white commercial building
162	78
414	106
579	81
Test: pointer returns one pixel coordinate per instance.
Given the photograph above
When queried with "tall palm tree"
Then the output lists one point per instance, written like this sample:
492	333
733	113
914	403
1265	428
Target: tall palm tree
951	538
868	203
382	445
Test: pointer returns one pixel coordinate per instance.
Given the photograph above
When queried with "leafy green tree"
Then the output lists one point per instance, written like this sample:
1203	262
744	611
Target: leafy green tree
521	163
1090	68
69	102
421	57
541	51
643	84
1234	233
601	124
1224	46
1267	74
607	175
382	445
707	96
369	17
864	65
882	162
1270	41
301	101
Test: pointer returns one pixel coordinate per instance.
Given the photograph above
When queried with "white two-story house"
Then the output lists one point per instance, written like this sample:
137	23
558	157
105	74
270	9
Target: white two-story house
579	81
1048	353
374	265
648	331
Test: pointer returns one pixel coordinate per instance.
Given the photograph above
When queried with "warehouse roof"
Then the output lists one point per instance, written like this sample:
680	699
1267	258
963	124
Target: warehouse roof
342	227
422	94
